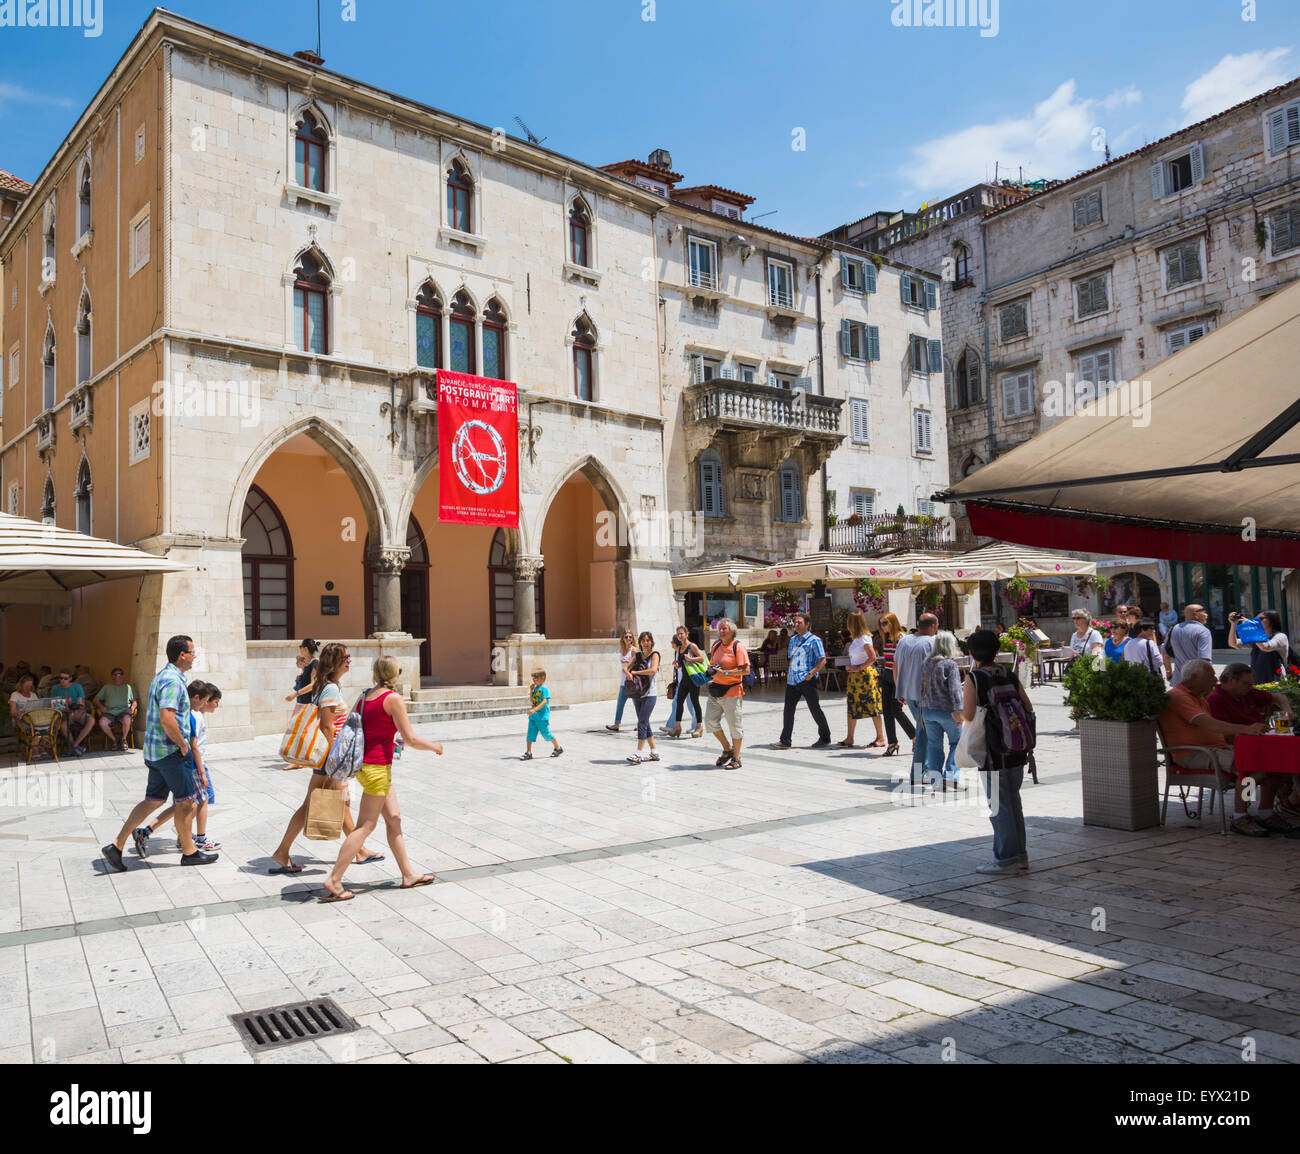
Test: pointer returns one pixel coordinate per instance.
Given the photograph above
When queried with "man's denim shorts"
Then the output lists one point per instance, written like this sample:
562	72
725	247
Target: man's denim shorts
174	774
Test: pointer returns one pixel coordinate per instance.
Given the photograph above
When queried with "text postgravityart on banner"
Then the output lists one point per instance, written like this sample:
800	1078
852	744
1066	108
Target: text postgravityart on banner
478	451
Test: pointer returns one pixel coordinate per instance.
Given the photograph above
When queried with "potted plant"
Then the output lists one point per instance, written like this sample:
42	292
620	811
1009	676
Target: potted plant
1017	592
1289	686
1116	705
781	608
868	595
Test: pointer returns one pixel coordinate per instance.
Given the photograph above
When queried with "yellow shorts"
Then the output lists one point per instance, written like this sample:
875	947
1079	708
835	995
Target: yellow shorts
376	780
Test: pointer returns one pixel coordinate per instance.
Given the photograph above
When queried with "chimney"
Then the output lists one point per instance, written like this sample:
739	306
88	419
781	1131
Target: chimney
310	57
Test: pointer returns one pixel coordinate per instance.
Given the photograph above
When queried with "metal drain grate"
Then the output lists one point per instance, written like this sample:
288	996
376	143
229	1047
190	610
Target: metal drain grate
263	1030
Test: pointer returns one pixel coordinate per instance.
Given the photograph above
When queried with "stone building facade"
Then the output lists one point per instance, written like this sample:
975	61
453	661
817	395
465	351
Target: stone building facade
278	260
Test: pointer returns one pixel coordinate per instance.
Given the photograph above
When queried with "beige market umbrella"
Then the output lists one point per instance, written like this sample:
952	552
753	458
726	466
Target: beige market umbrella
40	564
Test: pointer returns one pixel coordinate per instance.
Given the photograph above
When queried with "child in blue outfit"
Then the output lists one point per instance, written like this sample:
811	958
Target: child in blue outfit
539	716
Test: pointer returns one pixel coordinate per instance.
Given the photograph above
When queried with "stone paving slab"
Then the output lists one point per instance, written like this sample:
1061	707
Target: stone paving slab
807	908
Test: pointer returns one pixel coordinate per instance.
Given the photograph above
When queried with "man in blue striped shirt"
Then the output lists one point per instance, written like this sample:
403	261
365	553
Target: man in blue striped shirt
807	659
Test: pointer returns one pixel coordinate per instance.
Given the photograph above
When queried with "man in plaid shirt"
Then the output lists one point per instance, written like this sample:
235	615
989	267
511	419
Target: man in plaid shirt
167	754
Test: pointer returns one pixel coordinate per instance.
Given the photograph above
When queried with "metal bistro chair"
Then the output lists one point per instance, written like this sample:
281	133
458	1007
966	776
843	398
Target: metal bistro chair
38	731
1185	780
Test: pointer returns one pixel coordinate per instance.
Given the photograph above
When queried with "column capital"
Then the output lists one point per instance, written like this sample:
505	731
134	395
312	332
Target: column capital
527	566
389	559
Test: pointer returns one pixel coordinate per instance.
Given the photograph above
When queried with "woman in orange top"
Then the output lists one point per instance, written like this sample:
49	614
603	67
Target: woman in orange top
728	664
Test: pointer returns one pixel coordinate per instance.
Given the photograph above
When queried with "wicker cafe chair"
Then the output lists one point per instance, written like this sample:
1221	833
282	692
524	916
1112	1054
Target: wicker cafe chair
1185	780
778	665
38	730
127	732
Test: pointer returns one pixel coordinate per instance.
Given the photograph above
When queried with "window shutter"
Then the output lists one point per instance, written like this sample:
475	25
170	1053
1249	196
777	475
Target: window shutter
844	272
846	339
868	276
711	487
1079	214
864	504
1277	130
1292	130
1157	180
1198	163
789	495
922	419
1177	340
860	414
873	342
931	295
936	356
905	288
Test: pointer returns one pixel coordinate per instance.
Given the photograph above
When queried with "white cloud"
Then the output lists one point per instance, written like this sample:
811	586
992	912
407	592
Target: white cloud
1056	139
1232	80
16	94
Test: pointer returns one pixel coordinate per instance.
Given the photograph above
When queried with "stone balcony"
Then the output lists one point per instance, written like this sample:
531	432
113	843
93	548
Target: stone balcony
762	417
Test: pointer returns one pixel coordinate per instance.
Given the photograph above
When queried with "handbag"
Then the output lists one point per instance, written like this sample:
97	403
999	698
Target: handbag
636	686
304	745
325	810
698	672
972	747
347	753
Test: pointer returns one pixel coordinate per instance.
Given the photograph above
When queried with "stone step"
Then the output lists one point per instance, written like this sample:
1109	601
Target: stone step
425	712
469	693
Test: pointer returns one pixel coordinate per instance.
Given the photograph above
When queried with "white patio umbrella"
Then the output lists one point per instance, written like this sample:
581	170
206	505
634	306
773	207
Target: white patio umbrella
40	564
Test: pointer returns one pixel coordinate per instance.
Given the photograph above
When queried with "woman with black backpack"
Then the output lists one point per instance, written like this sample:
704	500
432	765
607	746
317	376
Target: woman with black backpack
985	687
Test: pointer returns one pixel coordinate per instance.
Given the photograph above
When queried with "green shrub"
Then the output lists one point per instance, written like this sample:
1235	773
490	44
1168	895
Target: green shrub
1117	691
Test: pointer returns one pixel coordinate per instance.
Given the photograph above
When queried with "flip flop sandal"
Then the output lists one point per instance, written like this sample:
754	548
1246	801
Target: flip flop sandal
427	880
726	757
345	896
372	857
848	745
289	869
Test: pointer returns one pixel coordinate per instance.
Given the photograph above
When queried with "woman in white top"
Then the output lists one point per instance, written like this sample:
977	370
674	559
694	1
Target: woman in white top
1267	658
1141	648
1085	640
862	696
22	698
626	651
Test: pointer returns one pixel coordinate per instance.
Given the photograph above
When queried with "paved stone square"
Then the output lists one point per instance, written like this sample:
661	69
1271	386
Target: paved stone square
588	910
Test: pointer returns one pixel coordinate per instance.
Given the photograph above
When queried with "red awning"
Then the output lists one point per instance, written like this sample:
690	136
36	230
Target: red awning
1093	534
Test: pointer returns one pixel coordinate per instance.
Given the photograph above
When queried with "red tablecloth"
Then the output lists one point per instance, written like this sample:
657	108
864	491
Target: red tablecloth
1266	753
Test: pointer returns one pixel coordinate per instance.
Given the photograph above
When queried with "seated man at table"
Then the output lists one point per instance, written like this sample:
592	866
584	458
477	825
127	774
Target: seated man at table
1186	720
77	720
117	700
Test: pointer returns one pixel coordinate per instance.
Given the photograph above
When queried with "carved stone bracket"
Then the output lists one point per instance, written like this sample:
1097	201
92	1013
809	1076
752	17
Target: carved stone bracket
751	486
528	566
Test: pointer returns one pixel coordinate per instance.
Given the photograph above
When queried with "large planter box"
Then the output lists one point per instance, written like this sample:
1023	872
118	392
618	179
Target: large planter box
1120	777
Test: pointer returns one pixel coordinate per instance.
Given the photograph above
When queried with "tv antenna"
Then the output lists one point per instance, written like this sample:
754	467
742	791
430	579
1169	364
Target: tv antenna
760	216
528	132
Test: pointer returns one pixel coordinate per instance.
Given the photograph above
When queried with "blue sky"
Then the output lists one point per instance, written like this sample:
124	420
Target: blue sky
892	116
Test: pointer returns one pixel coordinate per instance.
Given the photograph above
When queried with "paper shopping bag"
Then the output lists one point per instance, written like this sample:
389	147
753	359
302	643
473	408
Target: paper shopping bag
325	810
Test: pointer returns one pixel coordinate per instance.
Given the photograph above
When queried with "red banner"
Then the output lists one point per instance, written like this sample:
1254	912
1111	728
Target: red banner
478	451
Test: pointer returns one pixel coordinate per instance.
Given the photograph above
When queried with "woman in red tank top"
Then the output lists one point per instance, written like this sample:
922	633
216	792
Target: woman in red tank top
383	717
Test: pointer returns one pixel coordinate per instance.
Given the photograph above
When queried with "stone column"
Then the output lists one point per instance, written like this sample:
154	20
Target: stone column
527	566
388	563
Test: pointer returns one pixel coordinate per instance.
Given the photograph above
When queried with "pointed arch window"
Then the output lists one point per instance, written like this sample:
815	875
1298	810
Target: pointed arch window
48	370
310	142
790	496
428	329
584	358
462	354
962	270
494	341
711	494
460	196
83	200
51	248
268	570
82	495
580	234
310	305
47	502
83	340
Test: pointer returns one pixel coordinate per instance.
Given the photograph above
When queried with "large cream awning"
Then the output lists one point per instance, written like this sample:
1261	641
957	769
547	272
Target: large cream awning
837	570
712	578
1000	562
40	564
1199	461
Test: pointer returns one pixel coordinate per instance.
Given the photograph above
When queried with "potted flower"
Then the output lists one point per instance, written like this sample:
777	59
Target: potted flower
1289	686
1017	592
1116	705
782	605
1098	582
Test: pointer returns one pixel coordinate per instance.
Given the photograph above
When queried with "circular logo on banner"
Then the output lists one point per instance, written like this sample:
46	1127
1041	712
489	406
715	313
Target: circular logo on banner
479	457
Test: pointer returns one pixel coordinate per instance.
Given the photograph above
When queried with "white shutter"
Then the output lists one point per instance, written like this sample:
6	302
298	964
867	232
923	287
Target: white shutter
921	421
860	421
864	504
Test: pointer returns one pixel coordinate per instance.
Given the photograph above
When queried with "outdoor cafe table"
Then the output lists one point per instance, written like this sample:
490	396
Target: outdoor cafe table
1266	753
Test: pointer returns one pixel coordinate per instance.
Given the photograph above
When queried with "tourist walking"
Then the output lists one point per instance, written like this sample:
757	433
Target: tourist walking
1268	659
539	716
862	692
1189	640
728	667
1003	769
1167	620
1085	641
807	658
909	664
941	710
383	718
1141	648
306	663
687	644
332	712
626	652
889	630
167	756
644	668
204	698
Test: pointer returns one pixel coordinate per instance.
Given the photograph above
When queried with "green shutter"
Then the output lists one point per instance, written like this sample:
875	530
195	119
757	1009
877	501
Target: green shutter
873	342
846	339
868	276
905	288
931	295
1157	180
936	356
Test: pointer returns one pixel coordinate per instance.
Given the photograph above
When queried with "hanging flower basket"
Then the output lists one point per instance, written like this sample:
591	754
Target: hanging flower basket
932	597
1098	582
782	605
868	596
1017	592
